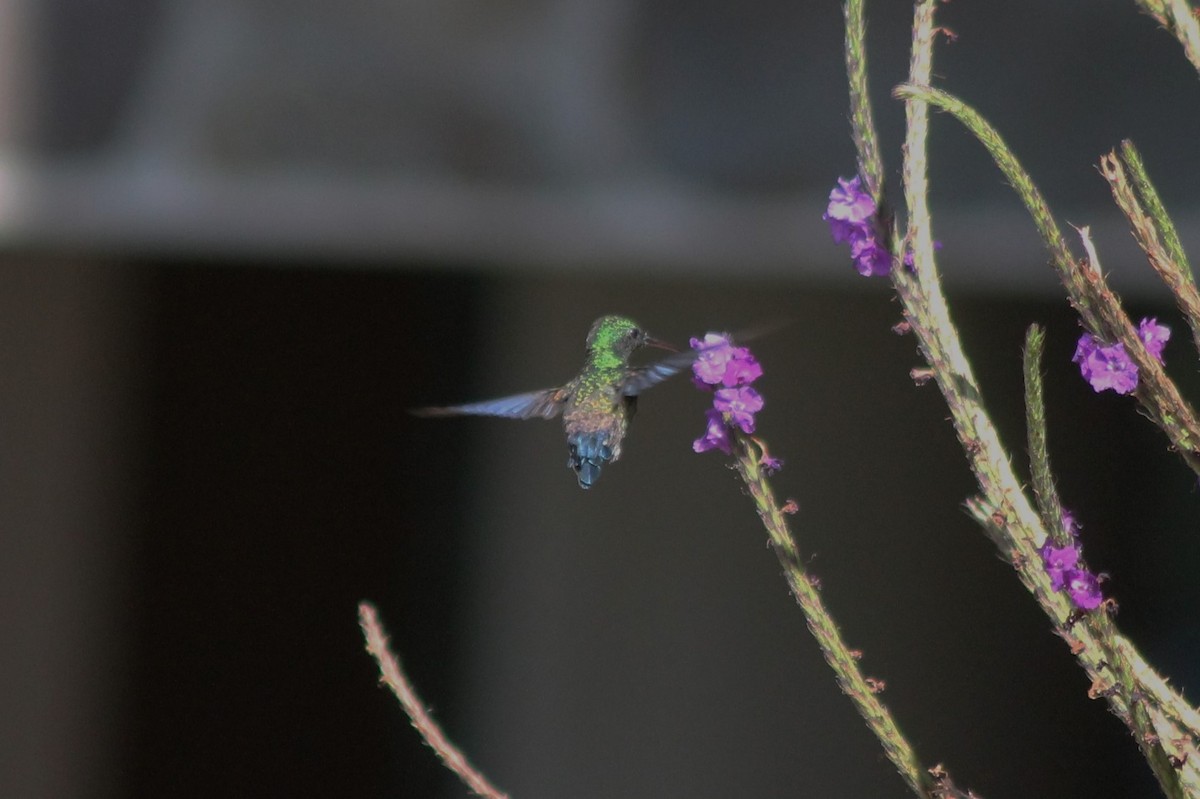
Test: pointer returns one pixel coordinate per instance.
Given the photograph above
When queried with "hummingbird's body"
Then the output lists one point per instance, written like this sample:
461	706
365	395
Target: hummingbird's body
598	403
597	411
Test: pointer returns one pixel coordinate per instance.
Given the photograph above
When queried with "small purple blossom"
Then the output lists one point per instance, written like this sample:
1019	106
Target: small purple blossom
1069	524
716	434
741	404
721	363
851	217
1059	561
1065	567
870	259
743	369
1084	589
1154	336
770	465
1105	367
850	210
1108	367
715	354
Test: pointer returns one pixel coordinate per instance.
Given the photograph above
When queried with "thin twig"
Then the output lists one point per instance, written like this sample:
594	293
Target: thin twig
393	676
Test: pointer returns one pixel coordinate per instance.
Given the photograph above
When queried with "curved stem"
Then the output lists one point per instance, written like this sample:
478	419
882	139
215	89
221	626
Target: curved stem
394	677
843	661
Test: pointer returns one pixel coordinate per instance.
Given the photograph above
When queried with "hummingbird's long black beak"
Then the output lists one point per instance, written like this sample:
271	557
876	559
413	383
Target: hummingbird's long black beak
651	341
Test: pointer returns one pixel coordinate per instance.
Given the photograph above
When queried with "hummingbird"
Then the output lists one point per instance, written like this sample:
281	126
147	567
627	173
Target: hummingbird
597	404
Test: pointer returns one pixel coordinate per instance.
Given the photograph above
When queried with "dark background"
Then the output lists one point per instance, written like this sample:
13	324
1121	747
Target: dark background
239	243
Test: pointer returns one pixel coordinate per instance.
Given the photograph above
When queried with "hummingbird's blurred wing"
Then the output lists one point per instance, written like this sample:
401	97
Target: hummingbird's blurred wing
547	404
643	377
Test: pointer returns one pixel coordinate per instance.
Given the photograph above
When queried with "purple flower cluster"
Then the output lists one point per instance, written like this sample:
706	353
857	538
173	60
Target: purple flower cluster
727	371
1108	367
1066	570
851	218
722	364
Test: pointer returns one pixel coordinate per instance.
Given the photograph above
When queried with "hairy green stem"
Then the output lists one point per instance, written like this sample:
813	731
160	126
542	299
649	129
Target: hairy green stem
843	661
1035	425
862	122
1019	179
919	236
1157	211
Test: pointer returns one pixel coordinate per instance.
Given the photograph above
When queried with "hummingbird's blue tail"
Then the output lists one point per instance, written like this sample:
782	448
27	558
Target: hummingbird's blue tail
589	452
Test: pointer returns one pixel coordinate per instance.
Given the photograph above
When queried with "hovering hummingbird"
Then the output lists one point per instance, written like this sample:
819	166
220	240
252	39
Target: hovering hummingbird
597	404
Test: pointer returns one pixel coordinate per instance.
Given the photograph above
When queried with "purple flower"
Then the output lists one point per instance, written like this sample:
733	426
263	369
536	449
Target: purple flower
850	210
1067	572
1069	524
870	259
851	218
1154	336
1083	588
716	436
727	370
721	363
741	404
1108	367
770	465
1059	561
715	354
1105	367
743	368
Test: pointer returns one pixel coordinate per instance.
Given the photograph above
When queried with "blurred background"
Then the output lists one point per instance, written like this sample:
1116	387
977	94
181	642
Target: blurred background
240	238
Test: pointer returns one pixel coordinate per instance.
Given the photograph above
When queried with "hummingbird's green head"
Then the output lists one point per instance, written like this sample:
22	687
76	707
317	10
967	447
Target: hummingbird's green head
620	336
